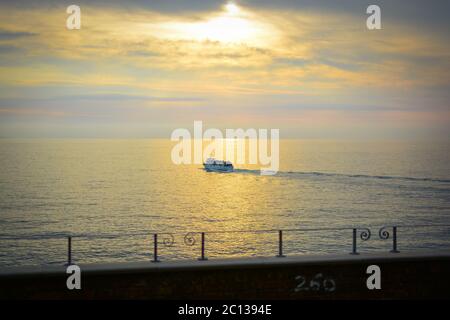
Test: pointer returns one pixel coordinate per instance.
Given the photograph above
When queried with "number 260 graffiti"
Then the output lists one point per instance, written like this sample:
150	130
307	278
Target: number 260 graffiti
317	283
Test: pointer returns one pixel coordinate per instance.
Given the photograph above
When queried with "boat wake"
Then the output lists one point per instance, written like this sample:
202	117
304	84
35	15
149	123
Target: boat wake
343	175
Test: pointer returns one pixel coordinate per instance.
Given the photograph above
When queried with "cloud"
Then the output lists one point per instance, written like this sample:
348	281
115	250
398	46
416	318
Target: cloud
6	49
13	35
324	62
127	97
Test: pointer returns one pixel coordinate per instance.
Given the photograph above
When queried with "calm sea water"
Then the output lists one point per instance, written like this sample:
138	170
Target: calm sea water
113	194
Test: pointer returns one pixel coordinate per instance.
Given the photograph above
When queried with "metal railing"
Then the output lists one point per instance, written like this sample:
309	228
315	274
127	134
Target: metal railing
190	238
166	239
384	234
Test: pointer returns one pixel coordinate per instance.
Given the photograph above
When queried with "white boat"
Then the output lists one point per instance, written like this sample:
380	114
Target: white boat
212	164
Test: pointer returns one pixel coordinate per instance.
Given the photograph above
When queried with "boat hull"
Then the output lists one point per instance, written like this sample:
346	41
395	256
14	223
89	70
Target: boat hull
216	168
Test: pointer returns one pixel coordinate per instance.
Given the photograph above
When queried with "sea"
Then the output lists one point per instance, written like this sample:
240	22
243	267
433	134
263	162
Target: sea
111	196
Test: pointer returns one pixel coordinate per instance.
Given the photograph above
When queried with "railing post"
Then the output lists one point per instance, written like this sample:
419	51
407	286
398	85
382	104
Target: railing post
69	250
394	240
202	257
354	241
280	244
155	248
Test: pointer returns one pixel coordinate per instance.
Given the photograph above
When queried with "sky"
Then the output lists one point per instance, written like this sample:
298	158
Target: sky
141	69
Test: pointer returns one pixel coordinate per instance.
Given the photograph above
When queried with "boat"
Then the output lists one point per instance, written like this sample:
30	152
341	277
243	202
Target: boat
212	164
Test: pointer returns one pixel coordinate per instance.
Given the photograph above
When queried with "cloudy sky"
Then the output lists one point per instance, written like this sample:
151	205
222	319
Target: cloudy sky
144	68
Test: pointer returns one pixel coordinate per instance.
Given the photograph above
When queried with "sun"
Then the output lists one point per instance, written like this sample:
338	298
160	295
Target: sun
232	9
232	25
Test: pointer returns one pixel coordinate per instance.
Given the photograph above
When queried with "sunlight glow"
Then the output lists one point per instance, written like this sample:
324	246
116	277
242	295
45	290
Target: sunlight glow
224	29
231	25
232	9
